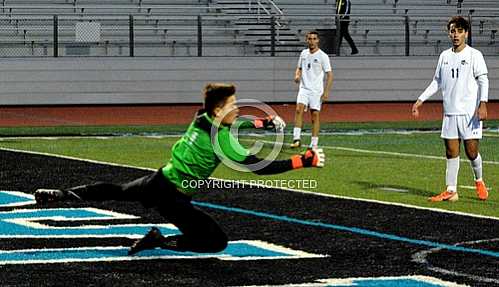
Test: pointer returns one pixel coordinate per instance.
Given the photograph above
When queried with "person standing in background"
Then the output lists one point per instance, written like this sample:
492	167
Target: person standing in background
312	66
343	9
461	74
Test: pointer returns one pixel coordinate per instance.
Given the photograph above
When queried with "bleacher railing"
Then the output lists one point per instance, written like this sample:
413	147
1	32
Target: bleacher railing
205	34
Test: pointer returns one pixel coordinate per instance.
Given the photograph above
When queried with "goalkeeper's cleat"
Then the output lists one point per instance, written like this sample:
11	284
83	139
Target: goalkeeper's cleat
151	240
481	190
296	144
445	196
44	196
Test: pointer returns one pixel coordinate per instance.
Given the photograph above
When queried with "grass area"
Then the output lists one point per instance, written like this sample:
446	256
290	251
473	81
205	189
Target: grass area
90	130
175	129
355	167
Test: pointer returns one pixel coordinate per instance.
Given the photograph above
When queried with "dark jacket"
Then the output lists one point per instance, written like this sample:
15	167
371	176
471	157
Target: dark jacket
343	9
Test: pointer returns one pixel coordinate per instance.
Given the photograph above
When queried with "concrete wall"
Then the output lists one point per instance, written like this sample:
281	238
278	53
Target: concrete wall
54	81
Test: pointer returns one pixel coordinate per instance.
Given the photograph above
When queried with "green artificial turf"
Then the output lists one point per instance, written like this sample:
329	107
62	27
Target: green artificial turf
380	164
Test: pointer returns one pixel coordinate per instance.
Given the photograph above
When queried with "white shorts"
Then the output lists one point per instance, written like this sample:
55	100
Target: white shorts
313	101
461	127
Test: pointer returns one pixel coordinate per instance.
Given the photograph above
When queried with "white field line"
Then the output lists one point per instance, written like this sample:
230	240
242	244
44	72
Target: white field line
288	189
75	158
8	138
379	202
491	135
271	142
388	153
421	258
401	154
487	133
264	141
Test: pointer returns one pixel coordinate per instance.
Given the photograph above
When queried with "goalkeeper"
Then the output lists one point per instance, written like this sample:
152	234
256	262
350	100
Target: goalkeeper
193	158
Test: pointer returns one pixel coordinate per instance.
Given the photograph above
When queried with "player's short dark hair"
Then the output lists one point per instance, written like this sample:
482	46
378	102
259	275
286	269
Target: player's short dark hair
459	22
215	95
313	32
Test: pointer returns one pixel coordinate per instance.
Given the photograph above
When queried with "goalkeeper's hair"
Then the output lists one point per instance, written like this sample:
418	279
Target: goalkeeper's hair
216	94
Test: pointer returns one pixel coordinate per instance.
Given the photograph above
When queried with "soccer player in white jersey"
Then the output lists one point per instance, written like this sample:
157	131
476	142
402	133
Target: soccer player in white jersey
461	74
312	66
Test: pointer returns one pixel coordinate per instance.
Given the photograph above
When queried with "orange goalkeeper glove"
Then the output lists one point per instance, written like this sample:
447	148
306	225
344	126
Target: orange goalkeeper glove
311	158
271	123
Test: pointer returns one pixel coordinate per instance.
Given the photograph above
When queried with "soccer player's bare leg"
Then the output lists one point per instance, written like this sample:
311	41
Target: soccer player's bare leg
451	171
300	108
471	148
315	128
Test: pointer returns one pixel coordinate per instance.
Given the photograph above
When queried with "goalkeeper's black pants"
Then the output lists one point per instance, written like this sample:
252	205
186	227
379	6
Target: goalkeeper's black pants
200	233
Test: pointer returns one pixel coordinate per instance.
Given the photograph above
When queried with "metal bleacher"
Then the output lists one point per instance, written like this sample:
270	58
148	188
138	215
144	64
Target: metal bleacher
236	27
383	34
377	26
159	27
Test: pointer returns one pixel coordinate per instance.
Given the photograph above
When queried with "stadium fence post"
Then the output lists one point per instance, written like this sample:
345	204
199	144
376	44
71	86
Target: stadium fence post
338	34
131	39
272	36
200	36
407	34
56	36
470	39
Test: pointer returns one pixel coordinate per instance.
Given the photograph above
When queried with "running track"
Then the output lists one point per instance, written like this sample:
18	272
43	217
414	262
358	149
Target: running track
15	116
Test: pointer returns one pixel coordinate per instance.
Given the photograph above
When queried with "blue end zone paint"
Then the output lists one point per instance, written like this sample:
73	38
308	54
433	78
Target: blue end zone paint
400	281
20	224
234	251
356	230
390	283
25	224
62	213
9	198
16	224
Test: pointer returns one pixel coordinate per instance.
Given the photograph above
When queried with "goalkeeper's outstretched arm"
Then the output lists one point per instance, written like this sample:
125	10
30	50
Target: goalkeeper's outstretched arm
310	158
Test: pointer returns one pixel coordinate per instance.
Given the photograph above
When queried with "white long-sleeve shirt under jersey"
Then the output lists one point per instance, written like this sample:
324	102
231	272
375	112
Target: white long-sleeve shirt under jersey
462	77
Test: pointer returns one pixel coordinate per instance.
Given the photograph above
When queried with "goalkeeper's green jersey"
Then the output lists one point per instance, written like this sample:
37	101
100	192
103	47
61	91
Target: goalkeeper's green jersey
195	157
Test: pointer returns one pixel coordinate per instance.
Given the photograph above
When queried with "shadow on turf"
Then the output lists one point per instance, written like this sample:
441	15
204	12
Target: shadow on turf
403	189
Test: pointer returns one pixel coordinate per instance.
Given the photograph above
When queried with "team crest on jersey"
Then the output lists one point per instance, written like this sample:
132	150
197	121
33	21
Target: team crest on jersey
463	62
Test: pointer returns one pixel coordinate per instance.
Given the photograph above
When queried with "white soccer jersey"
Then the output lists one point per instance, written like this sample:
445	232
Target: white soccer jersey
456	75
313	66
